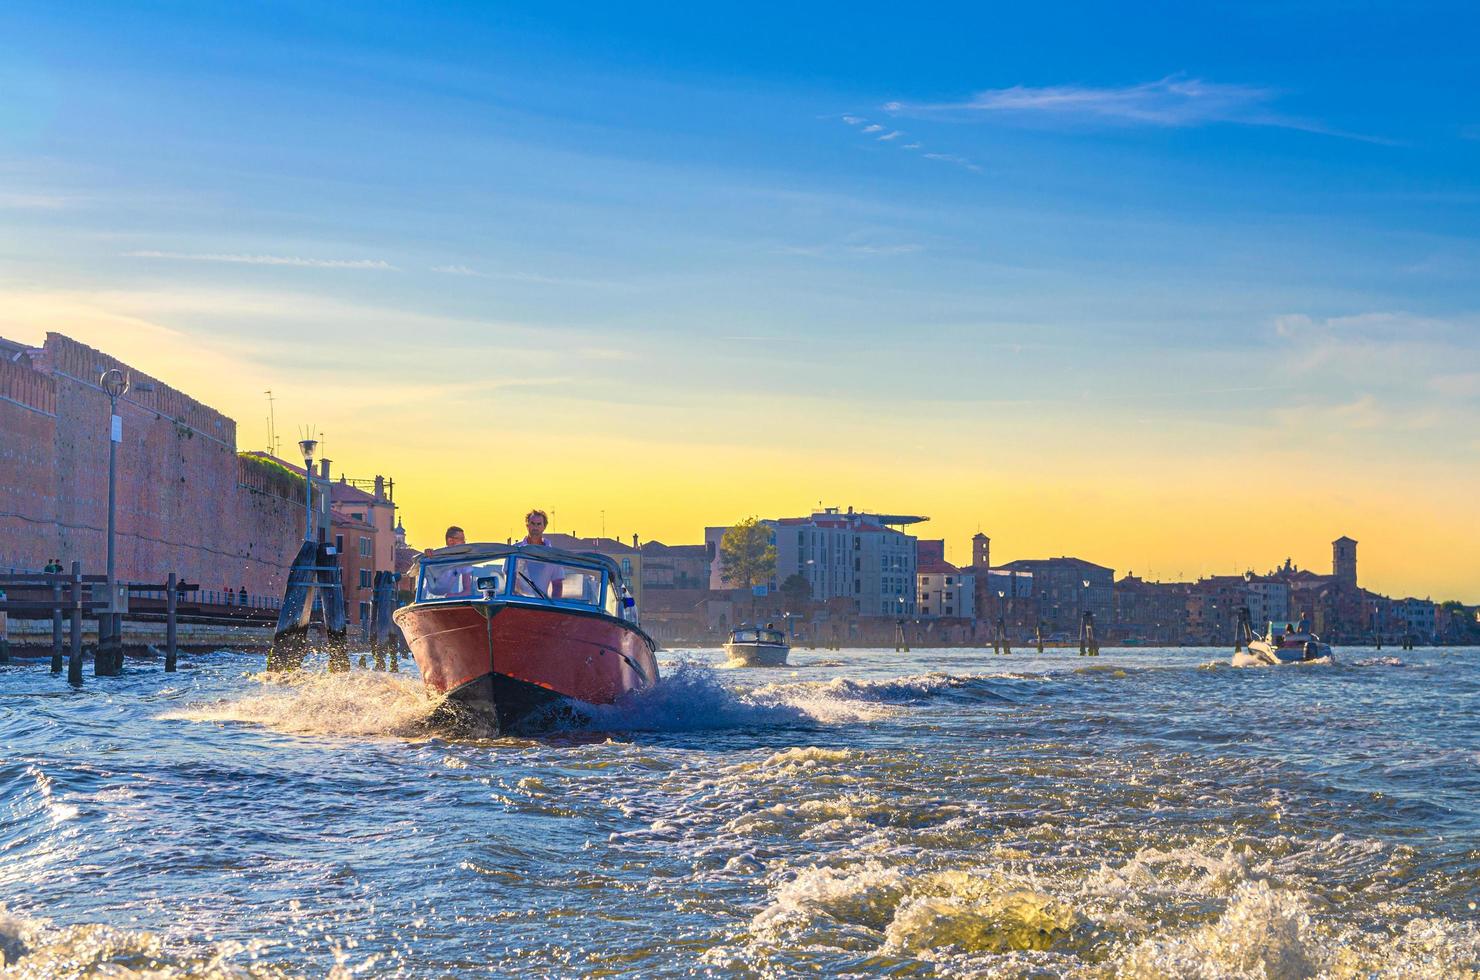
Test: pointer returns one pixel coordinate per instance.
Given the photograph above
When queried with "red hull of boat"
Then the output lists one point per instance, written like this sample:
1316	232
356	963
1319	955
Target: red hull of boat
505	660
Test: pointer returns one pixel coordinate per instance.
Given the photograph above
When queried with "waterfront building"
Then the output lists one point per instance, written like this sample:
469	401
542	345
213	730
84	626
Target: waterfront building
667	567
1061	593
1214	605
853	556
943	589
1268	599
1150	612
1417	618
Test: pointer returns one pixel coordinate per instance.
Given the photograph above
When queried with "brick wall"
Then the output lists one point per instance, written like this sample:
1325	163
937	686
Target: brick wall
27	474
180	505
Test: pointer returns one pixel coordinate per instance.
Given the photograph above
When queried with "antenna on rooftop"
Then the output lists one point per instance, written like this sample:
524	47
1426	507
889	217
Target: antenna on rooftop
272	437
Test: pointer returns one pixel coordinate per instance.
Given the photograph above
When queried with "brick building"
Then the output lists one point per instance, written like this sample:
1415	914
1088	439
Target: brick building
185	503
1150	612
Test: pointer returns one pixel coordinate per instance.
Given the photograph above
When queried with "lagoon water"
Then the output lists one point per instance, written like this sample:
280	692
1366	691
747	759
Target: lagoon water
862	812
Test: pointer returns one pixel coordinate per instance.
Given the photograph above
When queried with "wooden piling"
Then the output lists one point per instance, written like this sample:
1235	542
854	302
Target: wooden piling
171	599
74	658
56	625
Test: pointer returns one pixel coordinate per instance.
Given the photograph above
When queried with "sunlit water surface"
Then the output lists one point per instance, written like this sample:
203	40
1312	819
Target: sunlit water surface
935	813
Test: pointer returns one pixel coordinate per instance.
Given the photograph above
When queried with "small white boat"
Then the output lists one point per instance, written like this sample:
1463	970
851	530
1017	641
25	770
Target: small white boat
758	646
1279	647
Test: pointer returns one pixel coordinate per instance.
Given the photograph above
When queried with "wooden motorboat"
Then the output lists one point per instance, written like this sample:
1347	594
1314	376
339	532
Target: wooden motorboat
508	631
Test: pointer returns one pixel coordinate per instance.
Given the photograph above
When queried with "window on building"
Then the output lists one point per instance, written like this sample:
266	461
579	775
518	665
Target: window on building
339	543
367	547
858	564
364	612
626	566
365	578
857	586
948	580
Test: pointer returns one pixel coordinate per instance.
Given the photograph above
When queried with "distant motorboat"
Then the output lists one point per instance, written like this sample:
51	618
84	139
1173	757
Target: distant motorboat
758	646
1279	647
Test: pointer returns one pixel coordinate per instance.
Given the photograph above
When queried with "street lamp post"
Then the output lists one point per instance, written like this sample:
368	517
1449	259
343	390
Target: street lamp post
108	661
308	447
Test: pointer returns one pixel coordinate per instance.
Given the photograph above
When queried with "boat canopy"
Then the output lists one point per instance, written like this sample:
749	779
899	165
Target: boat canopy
757	634
527	572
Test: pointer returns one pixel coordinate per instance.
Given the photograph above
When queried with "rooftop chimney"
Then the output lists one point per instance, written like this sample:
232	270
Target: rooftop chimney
324	469
379	487
634	541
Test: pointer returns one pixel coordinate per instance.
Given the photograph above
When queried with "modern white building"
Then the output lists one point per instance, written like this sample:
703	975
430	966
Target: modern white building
842	555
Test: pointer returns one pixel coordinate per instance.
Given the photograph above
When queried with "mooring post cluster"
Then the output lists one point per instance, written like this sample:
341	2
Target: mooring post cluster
68	596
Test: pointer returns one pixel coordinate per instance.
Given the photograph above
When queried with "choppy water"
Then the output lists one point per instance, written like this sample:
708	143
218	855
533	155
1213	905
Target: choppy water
939	813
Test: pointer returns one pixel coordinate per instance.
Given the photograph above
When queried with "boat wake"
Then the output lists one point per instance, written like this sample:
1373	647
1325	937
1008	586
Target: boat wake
692	697
359	703
689	697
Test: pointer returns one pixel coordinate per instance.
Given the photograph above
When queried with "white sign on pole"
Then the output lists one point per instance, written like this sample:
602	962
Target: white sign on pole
117	428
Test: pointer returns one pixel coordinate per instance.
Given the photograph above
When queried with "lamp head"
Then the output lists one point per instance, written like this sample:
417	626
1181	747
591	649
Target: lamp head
308	447
114	382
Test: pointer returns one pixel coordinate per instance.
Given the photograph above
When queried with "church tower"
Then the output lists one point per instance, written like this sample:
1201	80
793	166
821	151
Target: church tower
1344	561
981	552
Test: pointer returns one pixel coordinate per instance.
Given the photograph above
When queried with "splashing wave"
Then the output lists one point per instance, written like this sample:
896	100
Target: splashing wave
359	703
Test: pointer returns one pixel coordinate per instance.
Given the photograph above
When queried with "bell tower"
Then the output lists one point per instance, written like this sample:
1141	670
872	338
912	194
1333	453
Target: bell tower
981	551
1344	561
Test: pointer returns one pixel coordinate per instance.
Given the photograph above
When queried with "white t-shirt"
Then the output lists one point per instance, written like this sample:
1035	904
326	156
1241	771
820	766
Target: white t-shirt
535	574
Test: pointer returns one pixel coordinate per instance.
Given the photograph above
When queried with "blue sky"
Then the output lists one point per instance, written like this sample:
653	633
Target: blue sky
980	238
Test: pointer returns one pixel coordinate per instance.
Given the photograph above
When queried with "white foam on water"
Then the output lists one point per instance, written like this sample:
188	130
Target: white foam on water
1379	662
979	911
358	703
899	690
35	949
1263	933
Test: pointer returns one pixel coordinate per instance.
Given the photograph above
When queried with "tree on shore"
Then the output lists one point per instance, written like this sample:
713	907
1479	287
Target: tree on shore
796	591
747	557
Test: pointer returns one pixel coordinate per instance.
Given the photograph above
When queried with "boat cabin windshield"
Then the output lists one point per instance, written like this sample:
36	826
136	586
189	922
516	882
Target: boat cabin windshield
459	578
511	576
753	634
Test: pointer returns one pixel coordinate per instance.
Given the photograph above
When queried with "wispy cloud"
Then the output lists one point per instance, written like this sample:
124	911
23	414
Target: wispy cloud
842	249
33	202
285	260
887	135
960	161
1174	101
459	270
